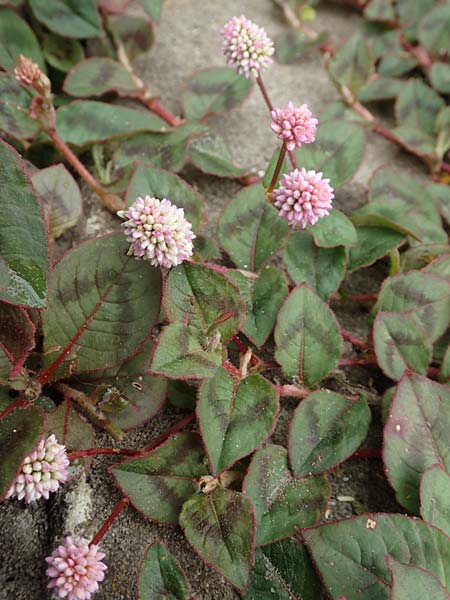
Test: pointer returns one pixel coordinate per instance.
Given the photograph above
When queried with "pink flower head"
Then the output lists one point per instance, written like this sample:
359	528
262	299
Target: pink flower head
75	569
158	231
303	197
42	472
246	46
26	71
295	126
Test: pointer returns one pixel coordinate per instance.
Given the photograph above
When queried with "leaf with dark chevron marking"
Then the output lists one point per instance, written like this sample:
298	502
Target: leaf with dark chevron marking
161	577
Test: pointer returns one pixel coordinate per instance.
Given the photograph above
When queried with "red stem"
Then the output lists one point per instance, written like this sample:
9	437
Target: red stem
109	521
97	451
366	453
355	341
244	348
156	107
175	428
356	298
354	362
418	52
110	201
66	419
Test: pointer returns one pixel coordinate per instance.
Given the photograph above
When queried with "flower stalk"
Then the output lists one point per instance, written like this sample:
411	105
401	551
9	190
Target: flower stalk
109	521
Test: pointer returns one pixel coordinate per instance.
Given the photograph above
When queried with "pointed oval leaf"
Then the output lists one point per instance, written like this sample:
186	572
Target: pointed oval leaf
373	244
199	296
221	528
400	345
16	336
62	53
420	295
143	394
352	65
418	106
326	429
264	297
416	435
23	238
147	181
440	77
21	428
161	576
235	416
335	230
322	268
17	38
14	107
86	122
250	230
69	18
102	306
307	336
434	495
184	352
210	154
214	90
158	483
61	197
412	582
337	151
283	505
96	76
434	28
351	555
283	571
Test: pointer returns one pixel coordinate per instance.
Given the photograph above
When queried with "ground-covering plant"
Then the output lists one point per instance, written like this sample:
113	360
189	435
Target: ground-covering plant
225	327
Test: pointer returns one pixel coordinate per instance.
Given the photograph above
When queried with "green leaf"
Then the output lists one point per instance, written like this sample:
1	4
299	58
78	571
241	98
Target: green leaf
396	63
416	140
96	76
410	15
307	337
206	249
14	107
335	230
17	38
213	91
250	230
143	394
352	65
411	582
322	268
293	45
444	375
373	244
434	495
337	151
201	297
283	505
23	239
86	122
220	526
21	428
102	306
400	345
382	88
62	53
283	571
73	431
440	267
69	18
153	8
326	429
439	75
422	256
423	296
184	352
433	30
158	483
17	332
380	10
417	106
61	198
164	150
351	554
147	181
210	154
264	297
235	416
161	576
416	435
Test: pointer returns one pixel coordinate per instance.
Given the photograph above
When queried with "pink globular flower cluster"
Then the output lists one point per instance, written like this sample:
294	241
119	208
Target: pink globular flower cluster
42	472
295	126
158	231
303	197
246	46
75	569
